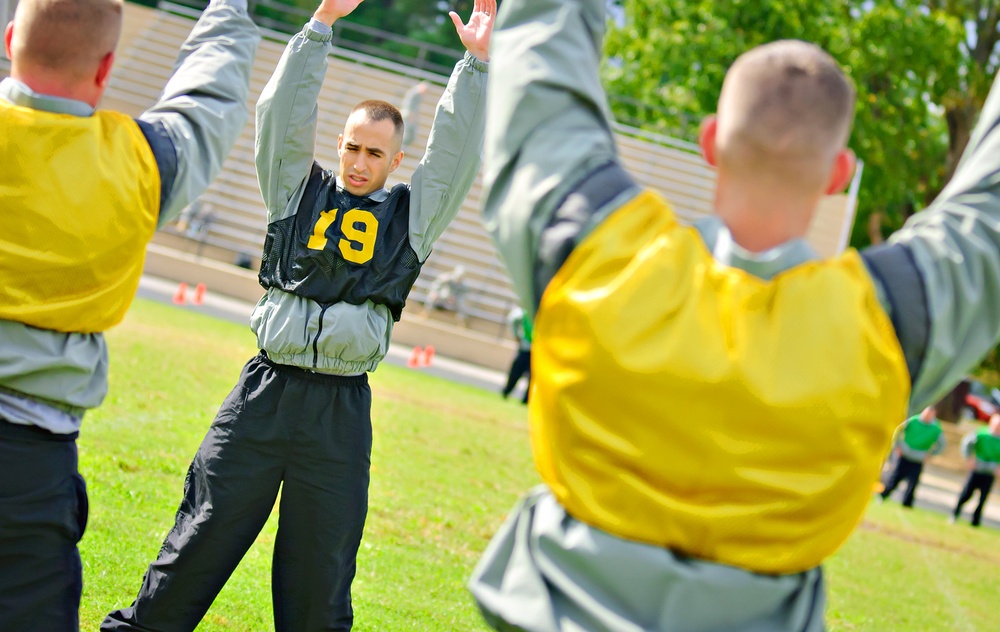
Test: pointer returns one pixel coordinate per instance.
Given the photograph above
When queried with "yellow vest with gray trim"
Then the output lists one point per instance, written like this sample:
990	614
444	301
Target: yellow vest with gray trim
686	404
79	198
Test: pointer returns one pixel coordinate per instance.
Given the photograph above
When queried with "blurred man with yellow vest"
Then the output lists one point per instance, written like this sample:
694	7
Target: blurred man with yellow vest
982	449
82	191
711	403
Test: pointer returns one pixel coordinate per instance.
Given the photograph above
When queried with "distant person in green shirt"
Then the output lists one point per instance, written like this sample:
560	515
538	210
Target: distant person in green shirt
520	324
982	448
916	439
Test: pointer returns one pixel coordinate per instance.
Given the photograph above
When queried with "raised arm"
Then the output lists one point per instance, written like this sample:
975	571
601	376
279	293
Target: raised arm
940	273
448	169
547	129
968	445
287	109
897	435
199	116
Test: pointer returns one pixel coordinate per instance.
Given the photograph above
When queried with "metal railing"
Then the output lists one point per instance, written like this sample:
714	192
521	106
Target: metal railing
286	18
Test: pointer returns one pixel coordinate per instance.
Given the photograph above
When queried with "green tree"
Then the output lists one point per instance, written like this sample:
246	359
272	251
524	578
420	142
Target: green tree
904	57
980	63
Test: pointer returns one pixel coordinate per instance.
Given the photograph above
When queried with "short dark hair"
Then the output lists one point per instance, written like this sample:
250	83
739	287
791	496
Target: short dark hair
377	110
67	36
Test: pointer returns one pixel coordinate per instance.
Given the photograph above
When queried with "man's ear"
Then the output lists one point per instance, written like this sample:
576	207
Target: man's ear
842	172
103	75
340	143
706	139
8	37
398	158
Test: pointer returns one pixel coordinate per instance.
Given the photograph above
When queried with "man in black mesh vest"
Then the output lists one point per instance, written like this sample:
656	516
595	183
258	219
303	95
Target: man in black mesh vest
340	256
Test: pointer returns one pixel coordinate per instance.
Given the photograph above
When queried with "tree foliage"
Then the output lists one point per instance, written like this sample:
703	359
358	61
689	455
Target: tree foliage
979	65
905	58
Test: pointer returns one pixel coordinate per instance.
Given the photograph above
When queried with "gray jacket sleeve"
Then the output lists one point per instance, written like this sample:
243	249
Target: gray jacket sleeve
898	433
547	124
968	444
454	150
203	106
286	121
940	274
939	445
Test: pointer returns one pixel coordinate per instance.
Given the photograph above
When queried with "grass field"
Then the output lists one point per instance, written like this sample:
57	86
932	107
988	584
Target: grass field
448	462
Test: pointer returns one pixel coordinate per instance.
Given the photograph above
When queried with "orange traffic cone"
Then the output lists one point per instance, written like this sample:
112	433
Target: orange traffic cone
428	356
415	357
180	296
199	294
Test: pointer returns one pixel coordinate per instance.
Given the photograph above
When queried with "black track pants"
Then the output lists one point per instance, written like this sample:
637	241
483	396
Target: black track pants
307	433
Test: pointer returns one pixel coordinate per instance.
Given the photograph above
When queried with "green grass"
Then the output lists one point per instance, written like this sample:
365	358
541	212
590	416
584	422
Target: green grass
448	462
910	570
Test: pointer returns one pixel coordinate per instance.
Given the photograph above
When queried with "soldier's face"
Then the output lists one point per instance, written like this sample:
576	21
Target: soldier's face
369	152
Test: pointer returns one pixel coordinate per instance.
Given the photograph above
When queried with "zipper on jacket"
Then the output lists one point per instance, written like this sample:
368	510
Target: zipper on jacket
319	332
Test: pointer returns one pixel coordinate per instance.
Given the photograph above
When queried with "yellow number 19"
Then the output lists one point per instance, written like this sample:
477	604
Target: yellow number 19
360	229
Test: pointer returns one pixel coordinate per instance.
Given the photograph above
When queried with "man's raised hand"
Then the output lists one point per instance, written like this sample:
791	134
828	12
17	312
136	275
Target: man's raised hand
476	34
329	11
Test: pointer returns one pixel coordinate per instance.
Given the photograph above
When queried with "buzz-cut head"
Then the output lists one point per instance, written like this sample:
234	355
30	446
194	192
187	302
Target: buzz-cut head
787	108
65	37
376	110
